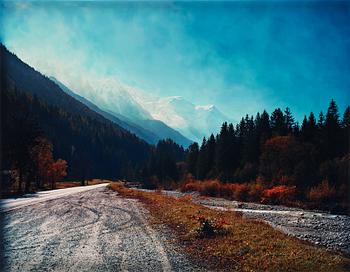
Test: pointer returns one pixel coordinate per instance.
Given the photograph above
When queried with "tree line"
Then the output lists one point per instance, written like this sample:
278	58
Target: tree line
42	143
270	148
274	147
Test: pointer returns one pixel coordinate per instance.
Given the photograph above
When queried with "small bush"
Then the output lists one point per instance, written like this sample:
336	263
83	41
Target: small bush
255	192
279	195
210	188
192	186
241	192
323	192
210	227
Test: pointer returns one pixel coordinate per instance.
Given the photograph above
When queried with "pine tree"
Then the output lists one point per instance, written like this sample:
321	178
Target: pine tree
201	162
278	124
346	118
223	163
332	131
289	120
192	159
321	120
346	130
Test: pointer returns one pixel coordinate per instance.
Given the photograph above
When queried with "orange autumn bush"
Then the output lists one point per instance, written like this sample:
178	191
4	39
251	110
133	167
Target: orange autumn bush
256	192
210	188
281	194
323	192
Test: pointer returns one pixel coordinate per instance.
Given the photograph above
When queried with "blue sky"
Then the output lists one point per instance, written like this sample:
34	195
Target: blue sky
243	57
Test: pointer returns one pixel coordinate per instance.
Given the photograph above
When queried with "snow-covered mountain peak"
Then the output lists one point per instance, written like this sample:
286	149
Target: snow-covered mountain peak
192	121
206	107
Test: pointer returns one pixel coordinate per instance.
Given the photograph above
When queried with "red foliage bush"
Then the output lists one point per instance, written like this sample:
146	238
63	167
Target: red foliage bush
279	195
323	192
236	191
210	188
193	186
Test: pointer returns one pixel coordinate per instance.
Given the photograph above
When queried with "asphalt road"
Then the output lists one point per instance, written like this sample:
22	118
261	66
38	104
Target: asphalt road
84	229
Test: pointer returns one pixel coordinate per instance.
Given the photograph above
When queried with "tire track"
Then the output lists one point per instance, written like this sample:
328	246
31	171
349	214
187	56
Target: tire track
95	230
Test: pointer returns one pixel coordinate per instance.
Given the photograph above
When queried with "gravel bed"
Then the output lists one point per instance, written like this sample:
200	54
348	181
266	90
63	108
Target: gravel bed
320	228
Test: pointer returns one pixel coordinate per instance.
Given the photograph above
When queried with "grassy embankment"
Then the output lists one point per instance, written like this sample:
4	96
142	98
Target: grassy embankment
225	241
69	184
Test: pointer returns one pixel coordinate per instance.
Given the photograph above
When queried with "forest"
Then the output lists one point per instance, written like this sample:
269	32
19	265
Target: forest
266	158
34	133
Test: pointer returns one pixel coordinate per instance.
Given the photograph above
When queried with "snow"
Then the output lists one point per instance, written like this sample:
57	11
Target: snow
192	121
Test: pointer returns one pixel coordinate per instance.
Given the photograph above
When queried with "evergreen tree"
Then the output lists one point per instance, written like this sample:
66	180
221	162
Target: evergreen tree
309	128
278	124
332	131
321	120
289	120
192	159
202	160
346	130
264	128
223	153
346	118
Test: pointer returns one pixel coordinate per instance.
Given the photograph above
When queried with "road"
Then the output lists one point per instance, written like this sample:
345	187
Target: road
86	228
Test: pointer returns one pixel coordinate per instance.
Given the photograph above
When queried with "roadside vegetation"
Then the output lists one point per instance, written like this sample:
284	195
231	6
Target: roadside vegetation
69	184
321	196
226	241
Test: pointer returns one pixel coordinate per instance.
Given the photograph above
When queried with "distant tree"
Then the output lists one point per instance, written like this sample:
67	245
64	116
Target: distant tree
346	130
332	131
202	160
277	122
192	159
57	171
289	120
309	128
346	118
224	153
48	171
321	120
42	157
264	128
286	161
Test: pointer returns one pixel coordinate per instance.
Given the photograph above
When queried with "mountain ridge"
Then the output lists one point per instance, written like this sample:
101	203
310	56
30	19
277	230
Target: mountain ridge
147	129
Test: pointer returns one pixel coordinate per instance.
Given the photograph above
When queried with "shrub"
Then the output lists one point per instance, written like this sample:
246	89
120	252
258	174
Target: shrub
210	188
193	186
279	194
210	227
322	192
241	192
255	192
227	191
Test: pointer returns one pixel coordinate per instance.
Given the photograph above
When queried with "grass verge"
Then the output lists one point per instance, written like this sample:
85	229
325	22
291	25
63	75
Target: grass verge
69	184
227	242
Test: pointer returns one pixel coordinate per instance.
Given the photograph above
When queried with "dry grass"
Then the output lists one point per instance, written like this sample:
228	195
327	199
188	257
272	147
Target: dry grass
245	245
69	184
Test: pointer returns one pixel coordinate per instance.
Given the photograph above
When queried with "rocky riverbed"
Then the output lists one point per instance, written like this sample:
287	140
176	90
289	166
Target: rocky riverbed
320	228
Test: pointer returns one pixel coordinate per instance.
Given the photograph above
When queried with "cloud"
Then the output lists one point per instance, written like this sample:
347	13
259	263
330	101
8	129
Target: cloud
243	57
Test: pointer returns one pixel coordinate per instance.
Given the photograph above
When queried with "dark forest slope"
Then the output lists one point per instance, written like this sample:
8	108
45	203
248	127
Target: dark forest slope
92	145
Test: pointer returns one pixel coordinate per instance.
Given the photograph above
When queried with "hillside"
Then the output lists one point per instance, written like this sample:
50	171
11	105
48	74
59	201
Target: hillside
92	145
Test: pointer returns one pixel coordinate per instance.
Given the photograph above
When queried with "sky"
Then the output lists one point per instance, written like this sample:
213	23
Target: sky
242	56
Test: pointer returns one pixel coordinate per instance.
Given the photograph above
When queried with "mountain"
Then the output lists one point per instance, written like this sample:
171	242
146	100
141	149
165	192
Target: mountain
92	145
194	122
147	111
137	130
147	129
